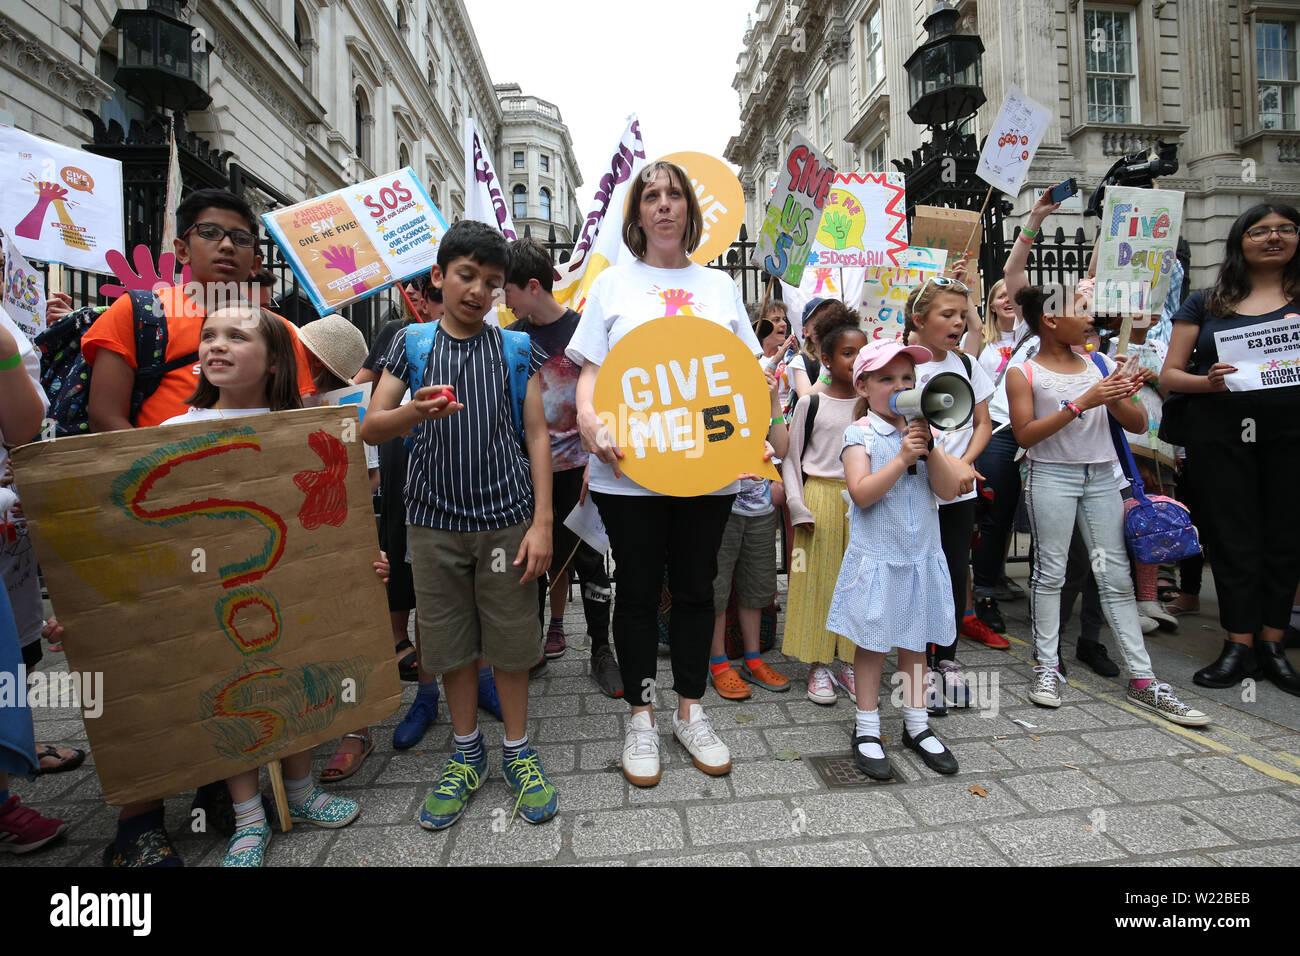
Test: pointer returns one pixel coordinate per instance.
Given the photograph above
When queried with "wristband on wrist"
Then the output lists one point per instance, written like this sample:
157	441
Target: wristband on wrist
1027	231
1074	409
779	420
824	378
12	361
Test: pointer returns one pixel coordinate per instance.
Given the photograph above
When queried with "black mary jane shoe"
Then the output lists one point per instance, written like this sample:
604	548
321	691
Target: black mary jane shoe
1236	662
877	768
943	762
1272	661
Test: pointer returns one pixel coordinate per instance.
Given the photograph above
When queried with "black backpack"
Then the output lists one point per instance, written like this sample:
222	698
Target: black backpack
65	373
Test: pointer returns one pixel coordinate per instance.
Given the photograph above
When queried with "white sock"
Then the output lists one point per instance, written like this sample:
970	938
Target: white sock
249	812
917	722
869	726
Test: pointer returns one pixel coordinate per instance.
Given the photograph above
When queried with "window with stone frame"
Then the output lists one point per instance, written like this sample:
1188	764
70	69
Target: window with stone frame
824	116
545	197
518	159
1276	74
546	163
1110	60
519	198
871	38
876	157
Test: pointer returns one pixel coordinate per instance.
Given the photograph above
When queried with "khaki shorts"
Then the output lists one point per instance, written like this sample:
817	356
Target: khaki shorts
468	599
747	552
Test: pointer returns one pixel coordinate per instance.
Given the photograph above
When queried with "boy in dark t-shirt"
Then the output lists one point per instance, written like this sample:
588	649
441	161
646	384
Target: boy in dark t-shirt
551	326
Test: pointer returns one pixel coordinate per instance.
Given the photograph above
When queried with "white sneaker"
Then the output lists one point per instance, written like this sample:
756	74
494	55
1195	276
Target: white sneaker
821	685
1163	618
641	751
1046	691
1148	624
707	751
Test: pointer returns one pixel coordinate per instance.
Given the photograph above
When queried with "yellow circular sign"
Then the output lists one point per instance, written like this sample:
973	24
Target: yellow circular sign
721	199
687	403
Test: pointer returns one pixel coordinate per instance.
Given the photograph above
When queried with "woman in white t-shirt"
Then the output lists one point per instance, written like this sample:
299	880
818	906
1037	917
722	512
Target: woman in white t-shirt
1060	405
662	225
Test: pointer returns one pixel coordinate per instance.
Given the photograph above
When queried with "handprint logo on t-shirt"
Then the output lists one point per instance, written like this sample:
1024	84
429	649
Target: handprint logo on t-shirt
676	301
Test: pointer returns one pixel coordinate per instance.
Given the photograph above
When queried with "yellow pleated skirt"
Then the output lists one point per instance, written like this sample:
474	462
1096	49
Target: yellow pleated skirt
814	568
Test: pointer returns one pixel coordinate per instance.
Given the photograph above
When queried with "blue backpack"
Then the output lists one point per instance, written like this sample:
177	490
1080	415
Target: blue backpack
518	349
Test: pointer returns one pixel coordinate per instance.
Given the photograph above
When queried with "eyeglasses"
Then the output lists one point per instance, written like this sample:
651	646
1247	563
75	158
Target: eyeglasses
943	282
1261	233
214	233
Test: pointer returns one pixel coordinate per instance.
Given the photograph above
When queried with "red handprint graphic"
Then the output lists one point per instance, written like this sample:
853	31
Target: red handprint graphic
325	495
344	259
34	221
144	275
677	302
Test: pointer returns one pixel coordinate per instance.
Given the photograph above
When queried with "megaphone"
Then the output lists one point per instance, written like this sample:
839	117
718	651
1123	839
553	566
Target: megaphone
946	402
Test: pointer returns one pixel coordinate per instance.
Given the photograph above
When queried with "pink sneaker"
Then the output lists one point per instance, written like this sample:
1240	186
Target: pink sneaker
821	685
846	680
22	829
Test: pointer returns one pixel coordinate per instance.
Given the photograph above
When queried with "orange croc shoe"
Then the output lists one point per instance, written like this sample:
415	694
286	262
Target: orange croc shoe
730	686
975	629
763	675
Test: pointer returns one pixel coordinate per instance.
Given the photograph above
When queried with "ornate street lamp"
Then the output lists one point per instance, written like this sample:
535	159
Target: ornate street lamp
161	59
944	76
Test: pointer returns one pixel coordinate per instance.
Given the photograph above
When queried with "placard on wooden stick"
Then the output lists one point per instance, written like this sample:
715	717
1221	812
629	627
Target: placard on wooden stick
218	575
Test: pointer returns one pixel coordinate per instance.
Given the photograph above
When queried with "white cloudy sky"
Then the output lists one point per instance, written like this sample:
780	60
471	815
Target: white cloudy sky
671	62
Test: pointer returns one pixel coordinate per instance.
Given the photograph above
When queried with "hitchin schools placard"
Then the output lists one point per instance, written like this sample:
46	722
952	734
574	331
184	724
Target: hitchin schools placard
1266	355
351	243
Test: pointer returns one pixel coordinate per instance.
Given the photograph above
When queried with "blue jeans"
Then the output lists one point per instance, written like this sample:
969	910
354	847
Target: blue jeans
1058	496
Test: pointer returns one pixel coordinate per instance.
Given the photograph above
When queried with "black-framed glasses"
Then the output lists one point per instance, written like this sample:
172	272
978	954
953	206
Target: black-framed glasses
214	233
1261	233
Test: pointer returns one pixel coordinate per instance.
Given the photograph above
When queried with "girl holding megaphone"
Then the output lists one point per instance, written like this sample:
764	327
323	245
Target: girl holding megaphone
893	589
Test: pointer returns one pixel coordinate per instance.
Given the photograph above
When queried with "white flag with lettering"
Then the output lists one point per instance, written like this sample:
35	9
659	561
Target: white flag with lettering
484	200
600	244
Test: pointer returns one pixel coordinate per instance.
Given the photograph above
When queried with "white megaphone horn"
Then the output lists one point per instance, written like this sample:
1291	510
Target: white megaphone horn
946	402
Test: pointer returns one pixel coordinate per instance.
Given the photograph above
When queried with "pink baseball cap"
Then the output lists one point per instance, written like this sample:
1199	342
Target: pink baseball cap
879	354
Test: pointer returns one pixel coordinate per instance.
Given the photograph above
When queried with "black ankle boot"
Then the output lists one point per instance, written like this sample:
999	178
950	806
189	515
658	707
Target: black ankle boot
986	609
1273	662
1236	662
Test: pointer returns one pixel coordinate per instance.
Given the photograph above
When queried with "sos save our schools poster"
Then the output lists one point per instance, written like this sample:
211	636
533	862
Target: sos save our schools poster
350	243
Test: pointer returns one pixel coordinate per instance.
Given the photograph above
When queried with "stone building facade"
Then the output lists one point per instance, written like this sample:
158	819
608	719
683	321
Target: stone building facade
538	171
1217	77
307	95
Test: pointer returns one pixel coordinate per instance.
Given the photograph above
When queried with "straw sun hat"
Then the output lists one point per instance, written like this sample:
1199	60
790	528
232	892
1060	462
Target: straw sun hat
337	343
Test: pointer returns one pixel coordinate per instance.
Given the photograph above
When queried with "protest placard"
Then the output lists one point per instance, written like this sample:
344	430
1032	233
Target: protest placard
821	282
864	222
886	288
686	401
1266	355
1136	249
721	199
794	213
348	244
24	291
59	204
1012	141
218	575
954	231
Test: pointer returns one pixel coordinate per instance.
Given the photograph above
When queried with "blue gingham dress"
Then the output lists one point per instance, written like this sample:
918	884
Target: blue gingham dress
893	589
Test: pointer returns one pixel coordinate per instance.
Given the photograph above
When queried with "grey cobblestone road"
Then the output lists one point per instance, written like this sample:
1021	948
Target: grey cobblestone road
1096	781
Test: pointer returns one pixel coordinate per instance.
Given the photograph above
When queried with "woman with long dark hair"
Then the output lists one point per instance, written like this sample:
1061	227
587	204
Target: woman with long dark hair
1245	446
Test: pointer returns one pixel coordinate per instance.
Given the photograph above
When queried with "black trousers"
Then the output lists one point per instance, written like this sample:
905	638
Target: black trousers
589	566
648	533
1001	474
1078	578
1245	447
956	526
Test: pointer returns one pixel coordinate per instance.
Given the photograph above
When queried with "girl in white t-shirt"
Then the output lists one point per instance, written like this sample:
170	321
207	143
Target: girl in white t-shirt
1060	403
247	367
936	310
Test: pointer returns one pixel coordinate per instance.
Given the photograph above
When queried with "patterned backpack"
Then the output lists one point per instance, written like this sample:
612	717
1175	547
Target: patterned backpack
65	373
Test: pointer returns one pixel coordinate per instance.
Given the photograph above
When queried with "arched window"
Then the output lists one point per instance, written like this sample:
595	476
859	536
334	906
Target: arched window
360	116
401	17
520	196
545	198
403	156
432	76
302	39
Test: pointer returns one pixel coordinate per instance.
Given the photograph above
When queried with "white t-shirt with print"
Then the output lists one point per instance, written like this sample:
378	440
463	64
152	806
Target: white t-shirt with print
624	297
956	442
210	414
